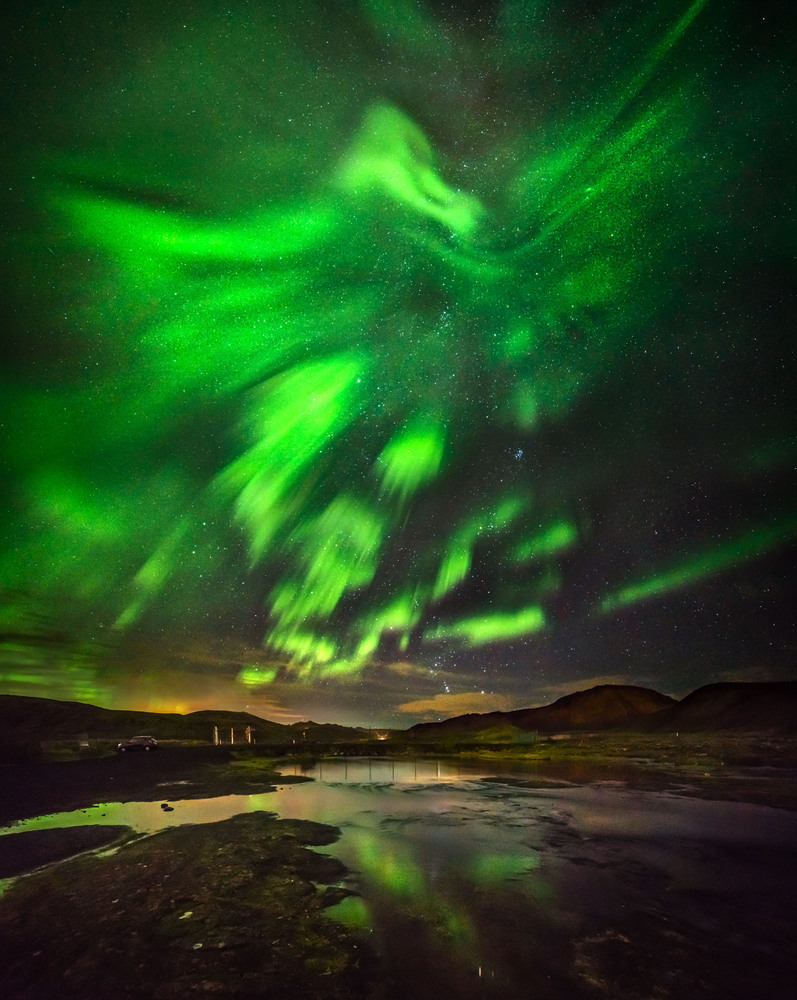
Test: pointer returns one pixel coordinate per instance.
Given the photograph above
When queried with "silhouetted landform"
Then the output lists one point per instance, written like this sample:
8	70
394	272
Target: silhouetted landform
327	732
735	707
607	706
38	719
740	707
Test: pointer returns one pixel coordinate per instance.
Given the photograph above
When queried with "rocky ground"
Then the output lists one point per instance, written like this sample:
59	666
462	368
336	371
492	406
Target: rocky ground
227	910
236	909
36	788
760	768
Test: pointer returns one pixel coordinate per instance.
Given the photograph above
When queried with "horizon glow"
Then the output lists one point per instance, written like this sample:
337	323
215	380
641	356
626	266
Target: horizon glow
436	348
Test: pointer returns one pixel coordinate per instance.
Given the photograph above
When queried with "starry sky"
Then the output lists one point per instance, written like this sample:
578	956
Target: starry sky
376	362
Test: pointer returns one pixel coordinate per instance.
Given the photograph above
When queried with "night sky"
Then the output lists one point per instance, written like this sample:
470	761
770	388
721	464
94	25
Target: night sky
378	362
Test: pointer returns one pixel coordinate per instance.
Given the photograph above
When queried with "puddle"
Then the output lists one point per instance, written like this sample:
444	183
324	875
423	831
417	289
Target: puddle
480	888
148	817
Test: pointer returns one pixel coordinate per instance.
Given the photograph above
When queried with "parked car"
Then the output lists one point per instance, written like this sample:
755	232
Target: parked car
138	743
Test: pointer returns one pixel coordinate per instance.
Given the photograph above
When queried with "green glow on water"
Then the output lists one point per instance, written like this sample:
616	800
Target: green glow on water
352	912
392	866
427	873
493	869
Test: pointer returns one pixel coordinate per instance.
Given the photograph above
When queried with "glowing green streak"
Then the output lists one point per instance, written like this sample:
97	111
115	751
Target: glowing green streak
399	616
482	629
292	417
454	568
457	559
391	156
304	647
661	50
254	677
160	238
338	551
367	647
339	668
555	538
707	564
153	575
412	458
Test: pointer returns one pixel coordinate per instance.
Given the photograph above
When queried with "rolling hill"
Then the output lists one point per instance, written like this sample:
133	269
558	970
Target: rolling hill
736	707
25	719
603	707
739	706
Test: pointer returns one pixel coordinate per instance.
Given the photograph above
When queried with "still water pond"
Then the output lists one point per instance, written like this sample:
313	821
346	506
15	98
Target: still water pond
472	885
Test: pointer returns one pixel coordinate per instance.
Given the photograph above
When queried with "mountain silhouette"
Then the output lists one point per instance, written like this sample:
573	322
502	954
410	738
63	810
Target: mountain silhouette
602	707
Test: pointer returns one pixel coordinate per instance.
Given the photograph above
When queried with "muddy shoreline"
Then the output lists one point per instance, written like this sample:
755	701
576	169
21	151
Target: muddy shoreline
39	788
749	767
235	908
230	909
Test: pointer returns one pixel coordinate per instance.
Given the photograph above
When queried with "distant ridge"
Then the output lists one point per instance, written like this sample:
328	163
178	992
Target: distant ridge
36	719
740	706
603	707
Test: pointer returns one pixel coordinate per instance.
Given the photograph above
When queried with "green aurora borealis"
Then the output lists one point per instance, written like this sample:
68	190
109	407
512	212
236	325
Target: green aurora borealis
382	359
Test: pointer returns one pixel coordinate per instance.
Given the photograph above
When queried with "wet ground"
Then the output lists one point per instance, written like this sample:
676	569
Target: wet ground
562	882
225	910
572	879
33	789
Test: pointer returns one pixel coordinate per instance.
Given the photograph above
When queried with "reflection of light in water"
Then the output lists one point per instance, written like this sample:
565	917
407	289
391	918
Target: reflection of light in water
396	771
143	817
149	817
477	875
353	913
